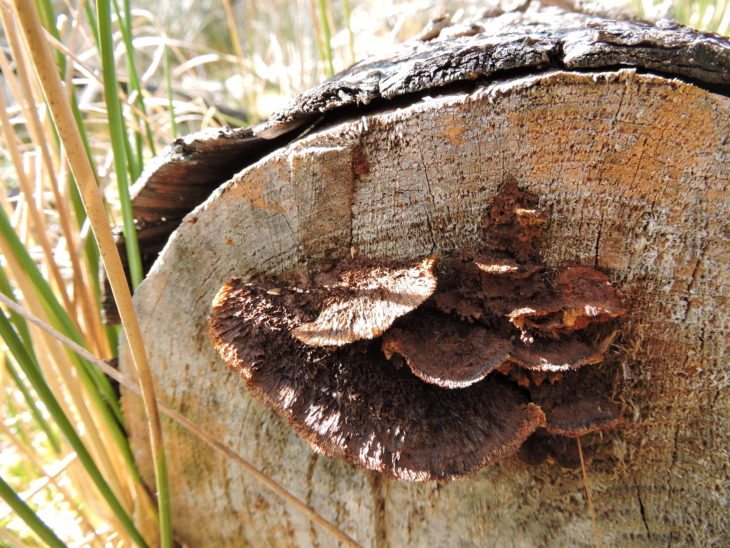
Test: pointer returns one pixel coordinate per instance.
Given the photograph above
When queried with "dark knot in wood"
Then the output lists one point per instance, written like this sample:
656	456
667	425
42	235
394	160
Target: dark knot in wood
433	368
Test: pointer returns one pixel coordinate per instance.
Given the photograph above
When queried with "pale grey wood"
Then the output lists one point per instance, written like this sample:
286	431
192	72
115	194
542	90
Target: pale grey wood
633	170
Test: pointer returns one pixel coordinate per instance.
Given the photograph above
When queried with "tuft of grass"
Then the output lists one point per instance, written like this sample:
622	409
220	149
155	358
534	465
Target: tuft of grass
45	395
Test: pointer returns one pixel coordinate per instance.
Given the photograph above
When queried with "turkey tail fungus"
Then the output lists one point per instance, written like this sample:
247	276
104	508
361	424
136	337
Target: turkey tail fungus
325	350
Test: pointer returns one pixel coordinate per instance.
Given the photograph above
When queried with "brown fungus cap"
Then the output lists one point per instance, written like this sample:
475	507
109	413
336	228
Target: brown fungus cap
577	405
552	356
350	402
367	302
588	296
444	351
482	286
542	446
513	223
584	297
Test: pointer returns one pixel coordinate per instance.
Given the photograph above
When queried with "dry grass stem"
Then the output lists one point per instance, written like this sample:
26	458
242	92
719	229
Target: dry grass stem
45	68
589	498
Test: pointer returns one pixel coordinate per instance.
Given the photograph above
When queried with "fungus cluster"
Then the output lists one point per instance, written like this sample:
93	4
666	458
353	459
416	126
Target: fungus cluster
433	368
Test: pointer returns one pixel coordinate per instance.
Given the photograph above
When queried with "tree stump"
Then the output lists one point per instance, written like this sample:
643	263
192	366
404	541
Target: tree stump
632	166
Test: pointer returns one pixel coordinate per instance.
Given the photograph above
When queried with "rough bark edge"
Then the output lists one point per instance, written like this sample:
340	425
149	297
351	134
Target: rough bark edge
537	39
189	169
175	182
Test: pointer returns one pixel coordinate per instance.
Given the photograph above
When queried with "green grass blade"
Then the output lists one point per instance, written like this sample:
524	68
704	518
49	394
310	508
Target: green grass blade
58	315
118	137
31	403
168	85
125	25
19	322
91	20
130	156
135	157
32	372
27	514
133	154
327	34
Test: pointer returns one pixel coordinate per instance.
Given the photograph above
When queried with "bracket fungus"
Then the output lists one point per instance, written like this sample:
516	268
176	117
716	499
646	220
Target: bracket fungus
445	351
431	369
367	301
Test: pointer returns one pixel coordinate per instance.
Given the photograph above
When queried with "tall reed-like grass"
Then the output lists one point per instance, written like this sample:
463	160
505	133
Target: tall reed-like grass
123	80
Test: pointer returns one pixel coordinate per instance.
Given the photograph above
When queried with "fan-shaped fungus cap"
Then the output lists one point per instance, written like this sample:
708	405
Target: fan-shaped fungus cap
352	403
542	446
577	405
367	302
446	352
552	356
481	286
588	297
585	296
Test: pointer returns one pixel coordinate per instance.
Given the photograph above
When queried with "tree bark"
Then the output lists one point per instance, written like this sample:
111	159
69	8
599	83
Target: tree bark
632	168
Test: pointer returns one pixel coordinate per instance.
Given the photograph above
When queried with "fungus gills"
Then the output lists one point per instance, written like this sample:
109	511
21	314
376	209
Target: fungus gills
431	369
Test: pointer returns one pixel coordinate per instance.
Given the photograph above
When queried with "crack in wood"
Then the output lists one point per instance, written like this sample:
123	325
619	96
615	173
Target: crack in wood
308	498
432	199
642	510
380	530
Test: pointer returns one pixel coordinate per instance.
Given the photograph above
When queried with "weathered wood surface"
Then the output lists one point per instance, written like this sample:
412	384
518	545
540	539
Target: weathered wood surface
634	172
532	40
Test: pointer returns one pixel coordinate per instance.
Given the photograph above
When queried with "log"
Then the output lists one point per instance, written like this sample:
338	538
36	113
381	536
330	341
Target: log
631	166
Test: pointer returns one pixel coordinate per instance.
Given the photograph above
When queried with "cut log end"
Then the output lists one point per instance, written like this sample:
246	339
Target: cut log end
627	166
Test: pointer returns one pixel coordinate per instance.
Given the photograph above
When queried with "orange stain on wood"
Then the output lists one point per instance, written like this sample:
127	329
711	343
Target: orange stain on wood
645	148
255	193
453	133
